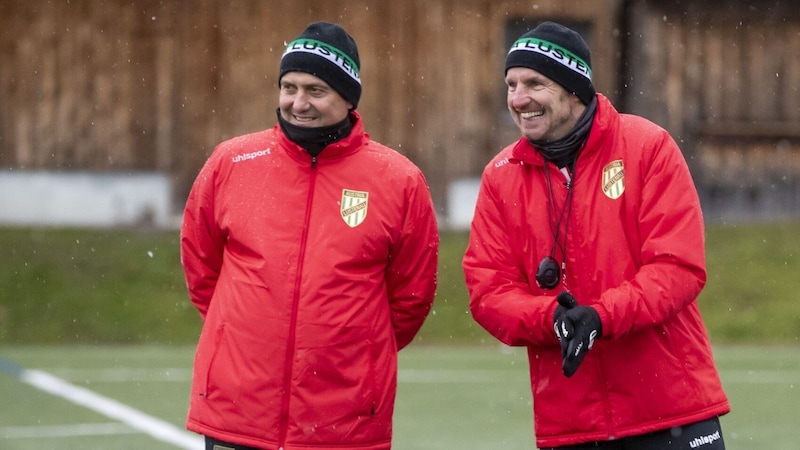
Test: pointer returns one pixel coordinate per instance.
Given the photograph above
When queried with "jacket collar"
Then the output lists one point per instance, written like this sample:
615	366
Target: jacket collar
343	147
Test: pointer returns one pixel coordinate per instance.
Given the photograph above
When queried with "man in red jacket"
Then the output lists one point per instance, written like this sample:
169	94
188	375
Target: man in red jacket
310	252
587	247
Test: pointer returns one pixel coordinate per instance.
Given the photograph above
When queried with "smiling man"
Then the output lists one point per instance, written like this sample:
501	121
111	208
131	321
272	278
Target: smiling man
587	247
309	271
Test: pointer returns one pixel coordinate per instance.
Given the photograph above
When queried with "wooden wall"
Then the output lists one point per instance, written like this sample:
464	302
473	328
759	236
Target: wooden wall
154	85
724	79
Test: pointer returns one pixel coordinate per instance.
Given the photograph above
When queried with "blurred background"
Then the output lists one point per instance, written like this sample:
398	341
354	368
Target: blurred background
109	108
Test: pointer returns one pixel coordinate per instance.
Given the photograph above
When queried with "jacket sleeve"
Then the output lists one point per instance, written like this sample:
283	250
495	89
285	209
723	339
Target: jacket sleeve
411	271
671	251
202	241
500	297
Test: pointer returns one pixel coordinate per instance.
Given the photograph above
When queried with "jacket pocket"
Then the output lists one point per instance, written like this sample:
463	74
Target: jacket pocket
207	351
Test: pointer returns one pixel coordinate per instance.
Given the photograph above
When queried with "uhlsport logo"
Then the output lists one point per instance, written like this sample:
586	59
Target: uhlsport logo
614	179
354	207
247	156
704	440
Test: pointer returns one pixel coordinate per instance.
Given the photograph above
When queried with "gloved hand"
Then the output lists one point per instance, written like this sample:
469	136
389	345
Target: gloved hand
563	329
577	327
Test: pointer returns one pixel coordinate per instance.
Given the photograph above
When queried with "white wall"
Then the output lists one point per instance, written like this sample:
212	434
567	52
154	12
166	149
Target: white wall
93	199
461	197
107	199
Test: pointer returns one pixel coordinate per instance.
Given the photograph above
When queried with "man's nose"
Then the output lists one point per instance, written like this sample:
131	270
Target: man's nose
301	101
519	98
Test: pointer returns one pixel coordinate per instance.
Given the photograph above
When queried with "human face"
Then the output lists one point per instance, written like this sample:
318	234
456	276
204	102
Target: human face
542	109
307	101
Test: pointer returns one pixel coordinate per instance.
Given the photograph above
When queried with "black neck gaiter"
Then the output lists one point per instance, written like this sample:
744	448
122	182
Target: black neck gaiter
563	152
314	140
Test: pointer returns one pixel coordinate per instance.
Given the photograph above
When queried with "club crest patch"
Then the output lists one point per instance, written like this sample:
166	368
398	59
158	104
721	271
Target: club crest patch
614	179
354	207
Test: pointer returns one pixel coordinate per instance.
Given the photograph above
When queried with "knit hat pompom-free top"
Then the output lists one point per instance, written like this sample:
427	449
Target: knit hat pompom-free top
558	53
328	52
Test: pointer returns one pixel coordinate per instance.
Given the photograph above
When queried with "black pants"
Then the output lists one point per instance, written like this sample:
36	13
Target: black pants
213	444
704	435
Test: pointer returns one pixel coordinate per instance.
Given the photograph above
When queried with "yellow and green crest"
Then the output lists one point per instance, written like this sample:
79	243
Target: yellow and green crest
614	179
354	207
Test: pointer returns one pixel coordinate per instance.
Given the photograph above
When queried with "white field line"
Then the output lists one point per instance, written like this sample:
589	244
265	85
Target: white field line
424	376
123	375
415	376
134	418
56	431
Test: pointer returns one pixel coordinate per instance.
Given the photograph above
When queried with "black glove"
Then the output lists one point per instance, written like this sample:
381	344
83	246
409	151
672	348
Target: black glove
563	329
577	327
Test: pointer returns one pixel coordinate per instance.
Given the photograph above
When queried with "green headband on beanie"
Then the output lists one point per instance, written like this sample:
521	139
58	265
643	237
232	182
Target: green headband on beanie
328	52
558	53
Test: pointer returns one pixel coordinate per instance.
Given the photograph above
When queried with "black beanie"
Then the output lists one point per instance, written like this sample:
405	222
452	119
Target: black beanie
558	53
326	51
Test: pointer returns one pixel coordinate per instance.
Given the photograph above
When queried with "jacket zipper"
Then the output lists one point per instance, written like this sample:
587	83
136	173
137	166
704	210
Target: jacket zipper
291	344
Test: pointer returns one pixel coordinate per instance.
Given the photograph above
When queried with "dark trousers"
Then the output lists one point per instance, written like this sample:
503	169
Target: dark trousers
213	444
703	435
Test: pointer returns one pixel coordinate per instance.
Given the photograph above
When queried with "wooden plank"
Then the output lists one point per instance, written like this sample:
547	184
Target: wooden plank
789	75
760	70
745	128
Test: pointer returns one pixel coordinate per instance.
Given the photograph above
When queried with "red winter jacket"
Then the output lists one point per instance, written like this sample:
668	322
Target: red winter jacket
309	276
634	250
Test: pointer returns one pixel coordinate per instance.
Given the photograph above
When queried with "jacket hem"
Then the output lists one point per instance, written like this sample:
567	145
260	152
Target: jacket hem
572	439
267	444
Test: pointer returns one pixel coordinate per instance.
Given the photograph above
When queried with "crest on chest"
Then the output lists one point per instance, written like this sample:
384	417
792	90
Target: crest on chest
613	179
354	207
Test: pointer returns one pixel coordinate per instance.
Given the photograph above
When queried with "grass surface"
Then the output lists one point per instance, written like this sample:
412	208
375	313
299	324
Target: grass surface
124	286
93	286
753	283
458	388
449	397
